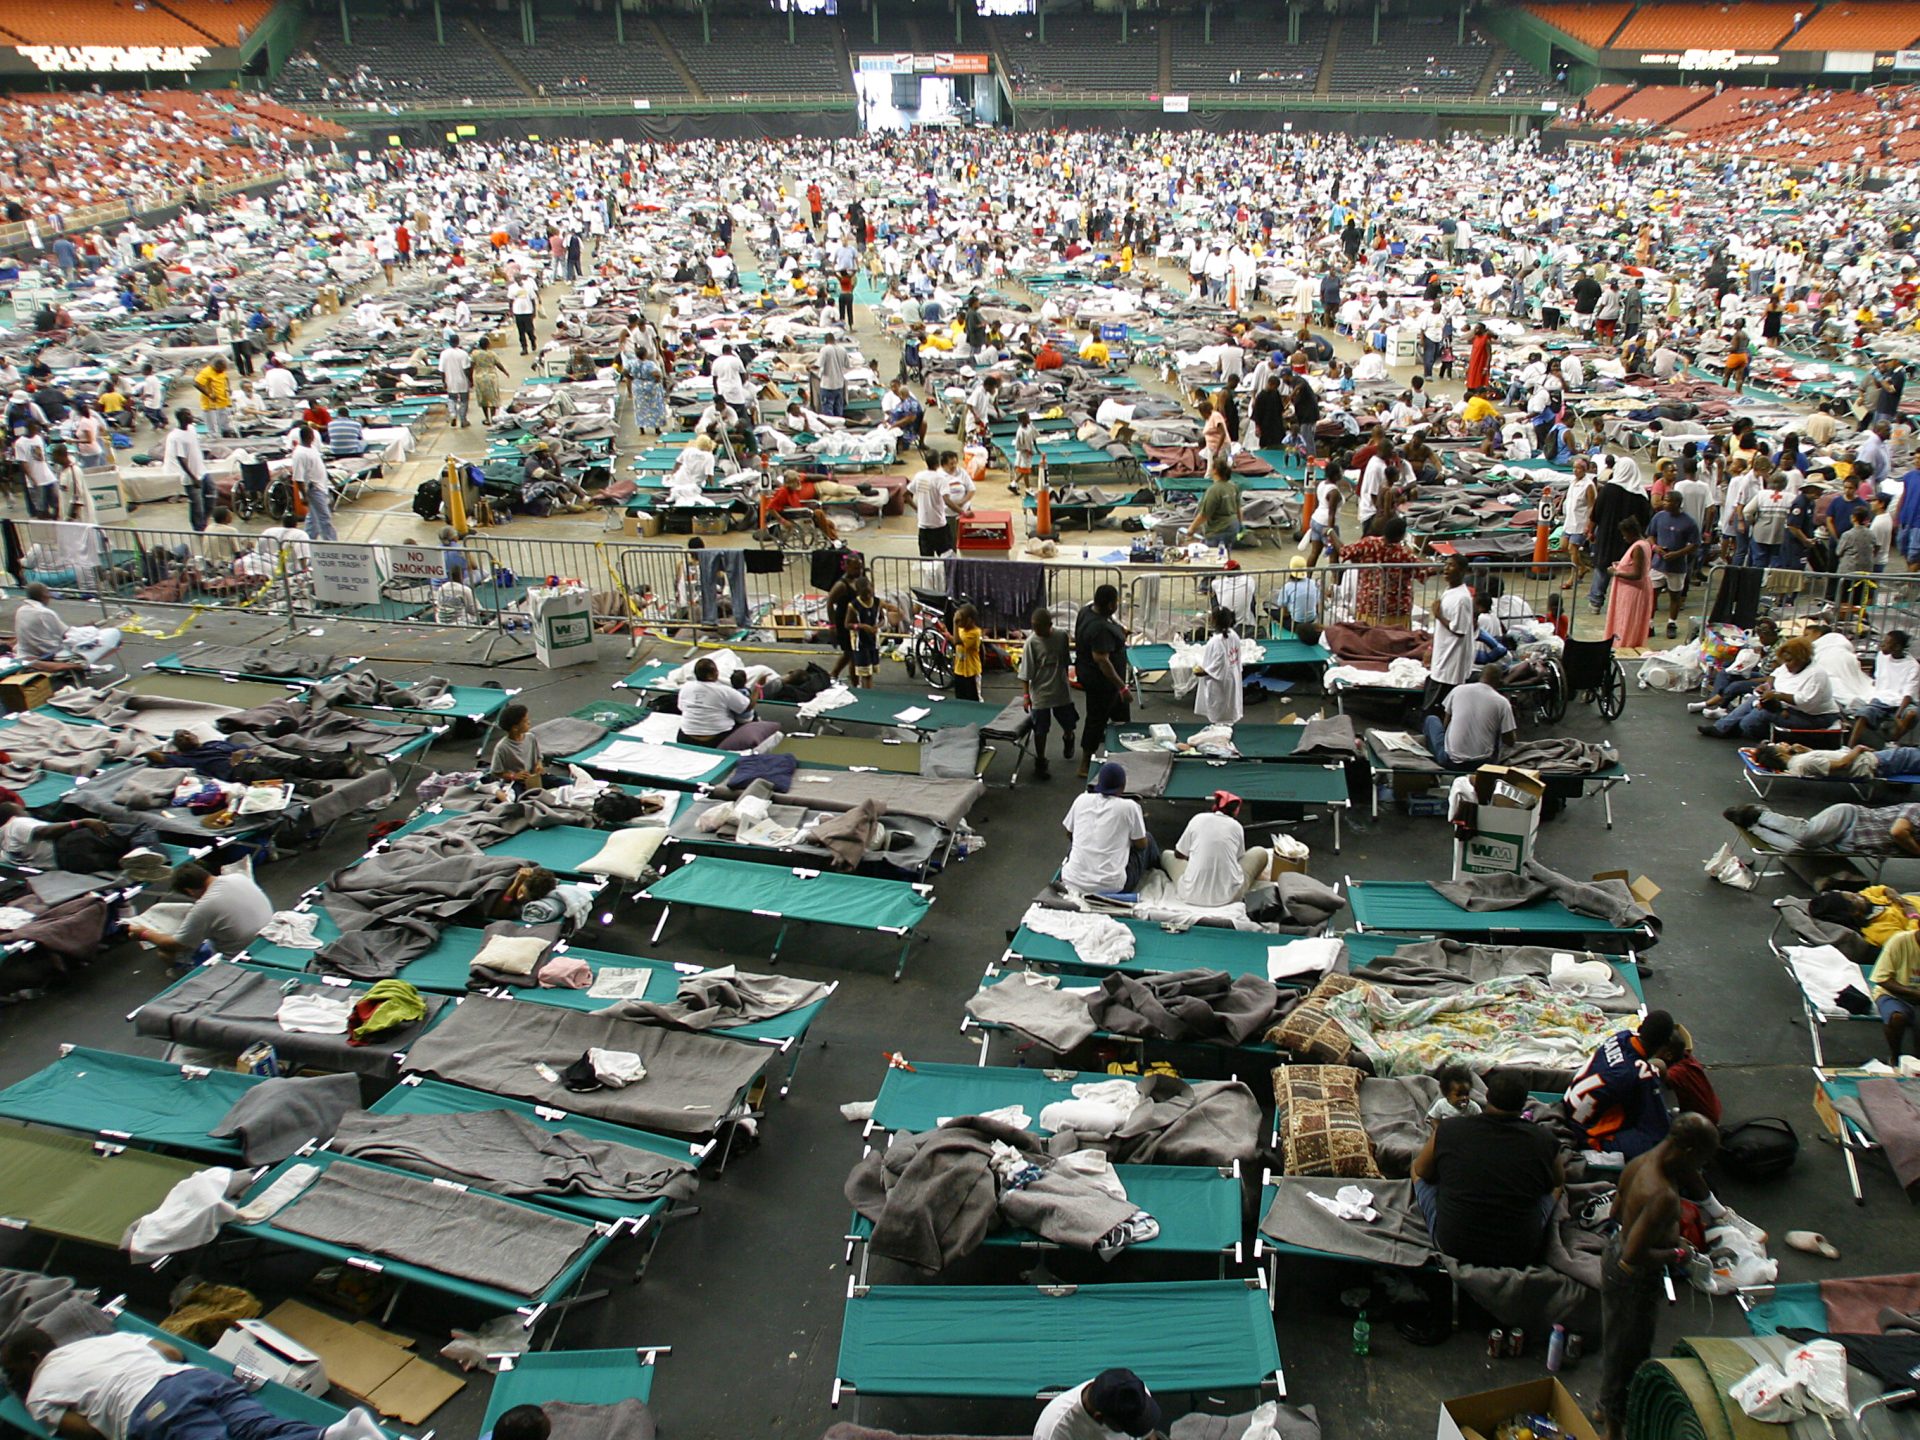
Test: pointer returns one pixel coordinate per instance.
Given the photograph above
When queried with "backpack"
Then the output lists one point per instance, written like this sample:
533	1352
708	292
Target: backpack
426	500
1758	1149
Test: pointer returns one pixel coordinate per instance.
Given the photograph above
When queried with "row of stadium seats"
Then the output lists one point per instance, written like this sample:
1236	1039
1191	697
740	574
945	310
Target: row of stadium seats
167	23
1873	127
396	59
1749	25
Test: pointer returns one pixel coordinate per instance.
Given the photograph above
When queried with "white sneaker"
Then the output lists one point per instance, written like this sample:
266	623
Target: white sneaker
1746	1227
1694	707
1714	712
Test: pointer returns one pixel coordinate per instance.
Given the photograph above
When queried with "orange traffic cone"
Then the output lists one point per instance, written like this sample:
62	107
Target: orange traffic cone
1540	550
1307	507
1043	511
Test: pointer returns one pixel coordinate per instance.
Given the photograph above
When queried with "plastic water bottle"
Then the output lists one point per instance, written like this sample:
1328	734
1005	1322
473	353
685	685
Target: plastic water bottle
1556	1349
1362	1336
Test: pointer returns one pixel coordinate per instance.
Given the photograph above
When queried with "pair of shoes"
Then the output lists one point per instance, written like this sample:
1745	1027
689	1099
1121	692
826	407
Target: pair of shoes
1709	731
1673	628
1041	771
1694	707
1742	815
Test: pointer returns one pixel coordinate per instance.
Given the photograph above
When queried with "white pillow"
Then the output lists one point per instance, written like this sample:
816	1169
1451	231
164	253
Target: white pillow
627	853
512	954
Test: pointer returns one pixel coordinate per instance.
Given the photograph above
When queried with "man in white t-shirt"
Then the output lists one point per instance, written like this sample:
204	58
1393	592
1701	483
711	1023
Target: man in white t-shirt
1109	851
1453	632
1113	1405
1479	723
932	493
111	1385
523	298
1210	863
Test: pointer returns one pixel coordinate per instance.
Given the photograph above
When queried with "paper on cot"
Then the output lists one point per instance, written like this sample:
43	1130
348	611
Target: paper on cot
1302	957
659	728
913	713
164	919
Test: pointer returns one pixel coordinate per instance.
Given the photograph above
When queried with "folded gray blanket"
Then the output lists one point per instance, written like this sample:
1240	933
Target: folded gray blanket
1207	1122
951	754
1398	1238
566	735
1147	771
624	1420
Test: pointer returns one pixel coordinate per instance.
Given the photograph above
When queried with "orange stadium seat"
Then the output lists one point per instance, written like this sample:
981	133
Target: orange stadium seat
1746	26
210	23
1859	27
1592	24
1602	98
1660	105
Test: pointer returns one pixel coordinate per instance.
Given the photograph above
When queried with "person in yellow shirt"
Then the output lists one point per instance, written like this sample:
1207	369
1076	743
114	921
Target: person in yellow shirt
1479	410
216	398
1897	914
966	653
1896	988
1094	350
1126	259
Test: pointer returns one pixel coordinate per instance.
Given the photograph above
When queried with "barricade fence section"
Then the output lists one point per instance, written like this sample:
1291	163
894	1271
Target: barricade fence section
1004	592
1856	602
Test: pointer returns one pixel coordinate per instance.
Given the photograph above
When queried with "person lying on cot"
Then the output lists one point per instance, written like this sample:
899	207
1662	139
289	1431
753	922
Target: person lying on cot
1878	912
530	883
229	761
1856	762
27	841
129	1387
1841	829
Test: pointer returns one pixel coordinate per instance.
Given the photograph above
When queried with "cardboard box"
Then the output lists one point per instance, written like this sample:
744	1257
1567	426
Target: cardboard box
255	1348
642	523
26	692
366	1363
789	625
1644	890
1504	834
1476	1417
1284	866
715	524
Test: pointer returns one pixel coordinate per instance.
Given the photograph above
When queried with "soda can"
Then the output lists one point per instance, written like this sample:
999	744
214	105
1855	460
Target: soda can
1496	1344
1575	1347
1516	1341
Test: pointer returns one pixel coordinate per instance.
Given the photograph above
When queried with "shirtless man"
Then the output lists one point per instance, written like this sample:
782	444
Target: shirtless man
1648	1212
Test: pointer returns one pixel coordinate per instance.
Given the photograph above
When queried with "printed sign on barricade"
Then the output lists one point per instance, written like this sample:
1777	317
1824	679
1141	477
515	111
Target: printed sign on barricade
344	575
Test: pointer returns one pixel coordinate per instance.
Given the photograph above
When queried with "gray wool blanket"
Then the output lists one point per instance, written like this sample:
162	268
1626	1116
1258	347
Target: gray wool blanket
723	999
624	1420
1443	967
1549	755
500	1151
1055	1018
566	734
950	754
227	1008
391	907
691	1085
1332	736
1564	1288
1398	1238
1148	771
467	1234
363	687
1895	1123
51	1303
1189	1005
1291	1422
934	1197
1608	900
1208	1122
278	1116
252	660
38	742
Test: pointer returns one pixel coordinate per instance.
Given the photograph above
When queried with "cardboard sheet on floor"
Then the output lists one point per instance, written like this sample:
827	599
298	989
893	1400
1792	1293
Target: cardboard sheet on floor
369	1363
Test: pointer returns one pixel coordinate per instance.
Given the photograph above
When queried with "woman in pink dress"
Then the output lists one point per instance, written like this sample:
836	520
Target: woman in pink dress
1630	602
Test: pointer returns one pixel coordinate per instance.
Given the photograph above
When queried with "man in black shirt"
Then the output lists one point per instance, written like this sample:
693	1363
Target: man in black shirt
1100	663
1487	1183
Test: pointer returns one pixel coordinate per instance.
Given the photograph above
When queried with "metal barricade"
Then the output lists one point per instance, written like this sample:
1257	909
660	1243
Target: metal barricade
1857	603
690	593
1005	592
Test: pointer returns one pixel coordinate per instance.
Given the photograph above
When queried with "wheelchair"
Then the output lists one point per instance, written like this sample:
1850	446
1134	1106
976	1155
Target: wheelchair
1593	674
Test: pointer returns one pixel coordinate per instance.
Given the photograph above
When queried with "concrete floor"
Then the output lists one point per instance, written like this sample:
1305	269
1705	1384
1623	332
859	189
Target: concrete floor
749	1292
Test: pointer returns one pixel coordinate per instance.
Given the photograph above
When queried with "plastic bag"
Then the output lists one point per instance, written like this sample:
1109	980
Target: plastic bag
480	1349
1729	869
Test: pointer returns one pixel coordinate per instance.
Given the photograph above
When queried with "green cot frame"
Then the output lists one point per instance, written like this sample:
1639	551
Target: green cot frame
787	894
917	1096
1280	650
74	1188
1415	907
183	665
130	1100
1254	742
580	1377
1569	787
1155	950
562	1293
1016	1341
723	761
1198	1209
